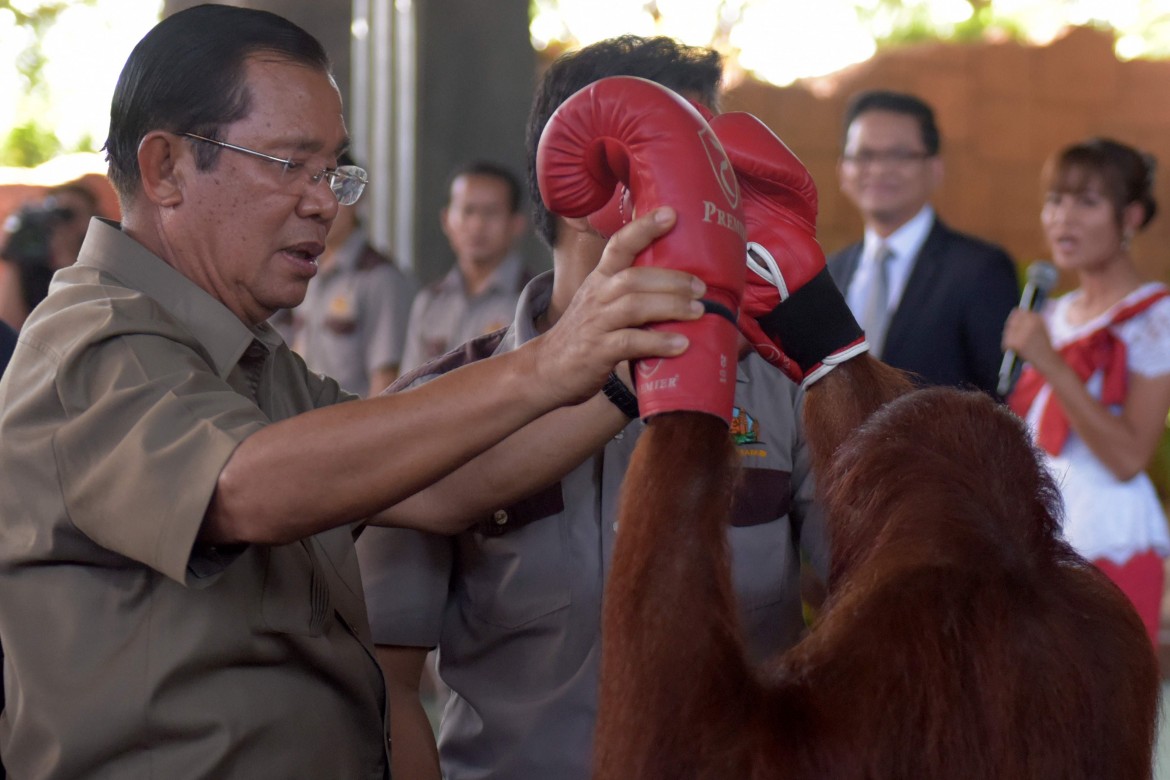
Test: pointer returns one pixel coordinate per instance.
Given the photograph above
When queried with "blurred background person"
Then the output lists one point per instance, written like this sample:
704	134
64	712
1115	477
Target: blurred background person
932	300
1096	385
39	239
26	259
76	204
7	344
482	221
352	323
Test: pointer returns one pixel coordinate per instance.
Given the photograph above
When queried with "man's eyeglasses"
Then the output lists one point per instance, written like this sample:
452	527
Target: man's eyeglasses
891	157
346	181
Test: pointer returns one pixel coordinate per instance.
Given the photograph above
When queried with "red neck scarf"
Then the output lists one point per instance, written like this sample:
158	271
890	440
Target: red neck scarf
1100	350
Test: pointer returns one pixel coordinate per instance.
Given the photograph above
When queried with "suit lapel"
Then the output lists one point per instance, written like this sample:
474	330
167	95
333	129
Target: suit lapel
844	265
917	295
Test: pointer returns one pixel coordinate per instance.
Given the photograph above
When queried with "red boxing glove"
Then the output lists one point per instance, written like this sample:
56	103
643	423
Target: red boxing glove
619	211
792	311
626	130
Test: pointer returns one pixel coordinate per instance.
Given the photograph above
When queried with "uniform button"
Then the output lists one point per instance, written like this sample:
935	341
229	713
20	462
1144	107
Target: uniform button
500	517
615	526
620	434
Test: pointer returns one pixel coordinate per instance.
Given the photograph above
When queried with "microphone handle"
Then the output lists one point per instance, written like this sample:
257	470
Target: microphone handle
1009	372
1031	299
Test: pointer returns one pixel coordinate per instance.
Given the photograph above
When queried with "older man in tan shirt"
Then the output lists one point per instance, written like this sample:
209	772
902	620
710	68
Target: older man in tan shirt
179	595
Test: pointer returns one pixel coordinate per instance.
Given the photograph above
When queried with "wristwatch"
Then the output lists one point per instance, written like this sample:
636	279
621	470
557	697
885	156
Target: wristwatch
620	396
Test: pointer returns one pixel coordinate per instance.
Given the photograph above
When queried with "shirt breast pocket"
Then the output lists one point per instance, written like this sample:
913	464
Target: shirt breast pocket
295	598
514	562
763	551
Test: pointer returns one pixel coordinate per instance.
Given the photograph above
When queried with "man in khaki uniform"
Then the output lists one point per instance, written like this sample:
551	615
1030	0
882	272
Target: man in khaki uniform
482	221
179	594
514	603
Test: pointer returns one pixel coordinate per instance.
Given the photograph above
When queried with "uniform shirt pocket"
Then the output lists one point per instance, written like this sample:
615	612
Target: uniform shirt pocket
514	562
296	594
761	537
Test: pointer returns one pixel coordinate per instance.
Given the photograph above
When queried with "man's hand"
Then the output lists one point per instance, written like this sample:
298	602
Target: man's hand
602	325
638	133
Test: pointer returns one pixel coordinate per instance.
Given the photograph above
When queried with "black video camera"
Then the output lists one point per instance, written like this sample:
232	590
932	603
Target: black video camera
28	245
28	232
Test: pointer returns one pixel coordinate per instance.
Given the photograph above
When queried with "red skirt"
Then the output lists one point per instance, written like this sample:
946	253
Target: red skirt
1142	579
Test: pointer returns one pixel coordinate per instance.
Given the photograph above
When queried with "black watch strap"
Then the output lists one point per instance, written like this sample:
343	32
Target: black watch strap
620	396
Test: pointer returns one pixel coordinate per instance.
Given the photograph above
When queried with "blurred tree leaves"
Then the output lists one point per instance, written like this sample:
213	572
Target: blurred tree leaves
31	143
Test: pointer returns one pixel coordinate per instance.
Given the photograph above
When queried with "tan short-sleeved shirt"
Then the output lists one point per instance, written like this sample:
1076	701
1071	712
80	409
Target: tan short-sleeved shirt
353	320
132	651
443	315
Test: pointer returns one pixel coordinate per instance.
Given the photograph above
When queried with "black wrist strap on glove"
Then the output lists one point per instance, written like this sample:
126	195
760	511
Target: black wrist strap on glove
813	322
620	396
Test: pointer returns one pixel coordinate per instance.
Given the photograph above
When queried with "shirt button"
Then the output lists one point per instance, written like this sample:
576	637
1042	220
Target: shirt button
500	517
615	526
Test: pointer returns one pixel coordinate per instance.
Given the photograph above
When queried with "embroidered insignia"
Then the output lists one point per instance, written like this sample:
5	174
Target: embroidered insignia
744	428
341	306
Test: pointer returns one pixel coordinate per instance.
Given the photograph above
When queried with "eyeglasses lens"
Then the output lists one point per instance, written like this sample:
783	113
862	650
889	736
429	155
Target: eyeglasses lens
347	183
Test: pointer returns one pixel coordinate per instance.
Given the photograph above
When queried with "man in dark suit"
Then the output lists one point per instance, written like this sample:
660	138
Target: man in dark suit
933	301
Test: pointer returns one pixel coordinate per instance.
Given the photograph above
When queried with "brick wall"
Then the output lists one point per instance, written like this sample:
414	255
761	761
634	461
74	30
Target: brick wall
1002	109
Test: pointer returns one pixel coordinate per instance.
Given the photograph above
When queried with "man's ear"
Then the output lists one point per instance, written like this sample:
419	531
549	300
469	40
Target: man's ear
158	162
936	171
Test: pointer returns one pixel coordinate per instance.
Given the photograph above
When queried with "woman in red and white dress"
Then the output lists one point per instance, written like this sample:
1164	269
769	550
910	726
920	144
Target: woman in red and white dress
1096	385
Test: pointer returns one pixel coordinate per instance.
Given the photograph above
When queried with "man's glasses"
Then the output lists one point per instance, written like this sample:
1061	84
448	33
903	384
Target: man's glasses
889	157
346	181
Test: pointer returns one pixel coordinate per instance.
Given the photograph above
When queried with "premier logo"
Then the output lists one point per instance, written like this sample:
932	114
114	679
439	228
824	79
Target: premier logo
712	213
666	383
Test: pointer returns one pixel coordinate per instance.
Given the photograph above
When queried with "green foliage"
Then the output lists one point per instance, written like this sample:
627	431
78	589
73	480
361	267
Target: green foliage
29	145
910	22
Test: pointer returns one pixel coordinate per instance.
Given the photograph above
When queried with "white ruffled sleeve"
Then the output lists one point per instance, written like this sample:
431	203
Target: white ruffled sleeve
1147	339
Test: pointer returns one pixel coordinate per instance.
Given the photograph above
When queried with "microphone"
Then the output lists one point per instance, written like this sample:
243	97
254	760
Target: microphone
1041	278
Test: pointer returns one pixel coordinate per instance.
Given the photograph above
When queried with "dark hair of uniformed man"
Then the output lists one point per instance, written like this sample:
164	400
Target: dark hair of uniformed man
493	171
896	103
187	76
690	70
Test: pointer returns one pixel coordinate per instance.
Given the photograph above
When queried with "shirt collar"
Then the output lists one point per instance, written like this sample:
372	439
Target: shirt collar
224	336
534	301
505	278
906	241
349	252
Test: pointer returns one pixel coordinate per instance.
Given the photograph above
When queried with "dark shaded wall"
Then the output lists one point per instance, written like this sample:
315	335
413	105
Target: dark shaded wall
475	79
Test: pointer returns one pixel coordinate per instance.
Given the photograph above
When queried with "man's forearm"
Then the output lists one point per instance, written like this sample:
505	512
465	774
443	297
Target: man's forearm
339	464
336	465
529	460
